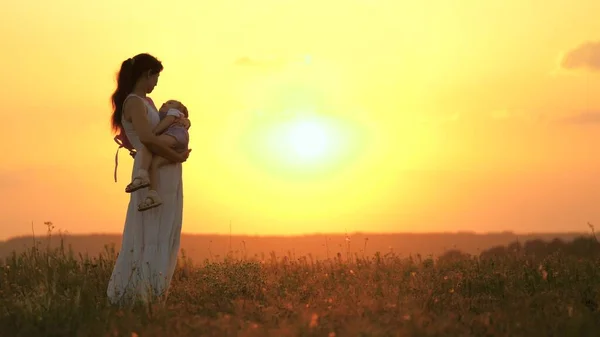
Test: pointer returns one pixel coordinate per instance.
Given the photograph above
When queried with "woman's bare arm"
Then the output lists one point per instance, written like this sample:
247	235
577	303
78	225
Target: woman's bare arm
137	112
164	124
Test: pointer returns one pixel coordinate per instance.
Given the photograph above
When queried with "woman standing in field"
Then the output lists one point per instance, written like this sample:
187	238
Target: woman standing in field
150	243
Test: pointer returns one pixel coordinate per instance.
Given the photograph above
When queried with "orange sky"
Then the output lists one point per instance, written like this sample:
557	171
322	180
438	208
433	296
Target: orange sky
312	116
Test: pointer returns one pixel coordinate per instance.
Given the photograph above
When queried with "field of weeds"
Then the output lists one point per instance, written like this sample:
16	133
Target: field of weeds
57	293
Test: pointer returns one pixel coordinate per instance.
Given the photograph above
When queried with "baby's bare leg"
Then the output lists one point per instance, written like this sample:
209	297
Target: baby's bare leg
158	161
141	177
146	159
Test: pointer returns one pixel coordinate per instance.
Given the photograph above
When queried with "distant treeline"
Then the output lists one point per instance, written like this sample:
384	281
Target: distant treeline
201	247
580	247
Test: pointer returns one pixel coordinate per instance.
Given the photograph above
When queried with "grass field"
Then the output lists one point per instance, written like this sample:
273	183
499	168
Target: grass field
57	293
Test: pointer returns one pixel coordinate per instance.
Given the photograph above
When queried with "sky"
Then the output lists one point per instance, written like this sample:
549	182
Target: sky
312	116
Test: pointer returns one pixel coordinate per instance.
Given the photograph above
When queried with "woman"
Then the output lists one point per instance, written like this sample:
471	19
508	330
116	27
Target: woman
150	243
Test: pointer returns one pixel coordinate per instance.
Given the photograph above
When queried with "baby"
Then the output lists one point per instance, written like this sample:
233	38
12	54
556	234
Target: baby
173	131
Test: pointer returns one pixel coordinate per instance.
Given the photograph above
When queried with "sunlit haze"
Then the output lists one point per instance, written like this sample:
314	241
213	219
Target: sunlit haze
312	116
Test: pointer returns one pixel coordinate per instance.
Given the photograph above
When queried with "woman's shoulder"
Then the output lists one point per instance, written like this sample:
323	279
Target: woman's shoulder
133	106
135	103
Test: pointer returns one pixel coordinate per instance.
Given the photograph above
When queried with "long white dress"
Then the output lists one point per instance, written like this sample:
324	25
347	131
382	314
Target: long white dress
150	243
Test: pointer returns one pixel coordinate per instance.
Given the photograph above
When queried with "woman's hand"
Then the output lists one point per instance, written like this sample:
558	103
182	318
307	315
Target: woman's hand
184	122
183	156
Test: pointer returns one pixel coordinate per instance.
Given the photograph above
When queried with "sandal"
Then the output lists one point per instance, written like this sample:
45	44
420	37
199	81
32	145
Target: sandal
137	183
150	201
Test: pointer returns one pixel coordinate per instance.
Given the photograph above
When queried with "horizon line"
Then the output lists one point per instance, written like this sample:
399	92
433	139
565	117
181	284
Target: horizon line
349	234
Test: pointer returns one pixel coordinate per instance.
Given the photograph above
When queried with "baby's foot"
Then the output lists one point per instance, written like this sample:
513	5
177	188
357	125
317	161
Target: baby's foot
141	180
151	200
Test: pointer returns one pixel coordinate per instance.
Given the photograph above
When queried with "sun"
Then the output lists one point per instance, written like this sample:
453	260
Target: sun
301	145
308	140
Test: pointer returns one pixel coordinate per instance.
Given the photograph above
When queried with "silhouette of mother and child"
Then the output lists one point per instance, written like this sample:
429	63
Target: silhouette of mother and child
158	140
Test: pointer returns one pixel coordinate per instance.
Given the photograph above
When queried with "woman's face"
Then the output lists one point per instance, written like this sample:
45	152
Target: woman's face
152	82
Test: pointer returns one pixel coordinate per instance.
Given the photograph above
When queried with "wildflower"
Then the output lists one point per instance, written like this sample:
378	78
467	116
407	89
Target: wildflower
406	317
314	321
133	334
331	334
570	311
544	275
486	319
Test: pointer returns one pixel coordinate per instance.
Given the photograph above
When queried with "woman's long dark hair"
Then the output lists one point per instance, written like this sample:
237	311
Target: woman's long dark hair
131	71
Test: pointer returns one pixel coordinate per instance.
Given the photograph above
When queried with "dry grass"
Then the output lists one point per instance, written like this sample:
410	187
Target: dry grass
56	293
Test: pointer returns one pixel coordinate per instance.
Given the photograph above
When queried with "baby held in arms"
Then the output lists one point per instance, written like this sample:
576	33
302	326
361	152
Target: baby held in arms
173	131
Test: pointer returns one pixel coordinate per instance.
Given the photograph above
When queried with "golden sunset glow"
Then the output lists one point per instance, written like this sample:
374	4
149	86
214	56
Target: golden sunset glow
312	116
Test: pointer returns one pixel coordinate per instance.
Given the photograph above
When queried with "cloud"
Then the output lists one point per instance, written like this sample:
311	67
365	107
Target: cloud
517	115
584	56
501	114
10	180
583	118
246	61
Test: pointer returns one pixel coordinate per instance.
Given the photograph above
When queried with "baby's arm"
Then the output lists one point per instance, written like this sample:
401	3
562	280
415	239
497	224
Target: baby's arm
170	118
164	124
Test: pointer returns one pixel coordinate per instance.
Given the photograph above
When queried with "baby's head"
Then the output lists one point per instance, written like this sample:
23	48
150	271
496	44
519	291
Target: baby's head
173	104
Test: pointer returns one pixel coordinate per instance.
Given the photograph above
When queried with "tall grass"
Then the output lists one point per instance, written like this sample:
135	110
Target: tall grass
55	292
